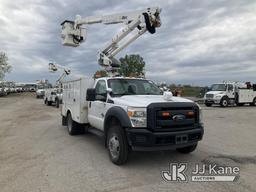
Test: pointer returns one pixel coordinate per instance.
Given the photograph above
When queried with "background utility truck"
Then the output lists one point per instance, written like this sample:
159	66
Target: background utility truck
131	114
54	95
230	93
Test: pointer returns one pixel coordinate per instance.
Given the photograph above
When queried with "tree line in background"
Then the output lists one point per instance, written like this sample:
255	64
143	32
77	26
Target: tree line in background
131	66
134	66
5	67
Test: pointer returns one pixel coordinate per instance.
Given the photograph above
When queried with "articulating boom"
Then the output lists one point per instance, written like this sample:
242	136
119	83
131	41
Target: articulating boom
140	21
53	67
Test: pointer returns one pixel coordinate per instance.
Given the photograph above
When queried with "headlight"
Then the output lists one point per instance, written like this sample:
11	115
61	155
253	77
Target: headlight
218	96
138	116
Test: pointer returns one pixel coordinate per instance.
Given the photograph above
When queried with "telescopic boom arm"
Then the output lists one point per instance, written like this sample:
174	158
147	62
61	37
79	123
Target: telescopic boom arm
140	21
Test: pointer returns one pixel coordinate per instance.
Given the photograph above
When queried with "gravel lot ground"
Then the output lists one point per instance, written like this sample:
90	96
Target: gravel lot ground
37	154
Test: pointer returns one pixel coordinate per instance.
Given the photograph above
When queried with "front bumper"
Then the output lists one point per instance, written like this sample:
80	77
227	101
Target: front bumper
212	101
142	139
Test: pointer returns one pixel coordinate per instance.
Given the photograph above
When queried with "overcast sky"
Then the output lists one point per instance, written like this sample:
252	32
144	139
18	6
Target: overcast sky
199	42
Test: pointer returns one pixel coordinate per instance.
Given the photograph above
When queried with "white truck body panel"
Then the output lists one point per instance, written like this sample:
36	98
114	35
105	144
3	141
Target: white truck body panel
74	99
246	95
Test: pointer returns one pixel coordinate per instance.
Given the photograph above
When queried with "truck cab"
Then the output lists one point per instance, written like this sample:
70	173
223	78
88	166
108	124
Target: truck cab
132	114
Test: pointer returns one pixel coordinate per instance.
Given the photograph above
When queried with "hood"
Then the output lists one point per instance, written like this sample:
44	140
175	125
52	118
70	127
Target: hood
145	100
40	90
216	92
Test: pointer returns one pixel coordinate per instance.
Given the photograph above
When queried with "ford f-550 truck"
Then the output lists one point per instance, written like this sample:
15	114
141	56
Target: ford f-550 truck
131	114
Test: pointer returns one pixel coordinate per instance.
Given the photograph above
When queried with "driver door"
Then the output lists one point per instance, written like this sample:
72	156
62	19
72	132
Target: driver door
97	108
230	91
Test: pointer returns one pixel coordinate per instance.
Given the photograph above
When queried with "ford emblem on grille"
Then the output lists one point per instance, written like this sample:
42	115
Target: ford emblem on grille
179	117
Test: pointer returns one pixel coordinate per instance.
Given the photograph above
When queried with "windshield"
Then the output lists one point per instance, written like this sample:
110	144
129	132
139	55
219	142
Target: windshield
218	87
133	87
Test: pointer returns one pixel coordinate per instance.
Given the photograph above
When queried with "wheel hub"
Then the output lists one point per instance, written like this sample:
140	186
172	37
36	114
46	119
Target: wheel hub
114	146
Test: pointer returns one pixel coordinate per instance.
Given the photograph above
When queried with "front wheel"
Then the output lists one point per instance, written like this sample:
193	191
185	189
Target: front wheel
224	102
117	145
187	149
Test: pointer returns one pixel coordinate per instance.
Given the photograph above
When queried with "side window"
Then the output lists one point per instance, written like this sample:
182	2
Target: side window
230	87
101	88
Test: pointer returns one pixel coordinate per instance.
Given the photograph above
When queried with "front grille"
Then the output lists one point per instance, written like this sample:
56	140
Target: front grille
158	122
209	96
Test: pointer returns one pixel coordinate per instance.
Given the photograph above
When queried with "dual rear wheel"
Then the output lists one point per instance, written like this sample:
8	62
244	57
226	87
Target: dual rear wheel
74	128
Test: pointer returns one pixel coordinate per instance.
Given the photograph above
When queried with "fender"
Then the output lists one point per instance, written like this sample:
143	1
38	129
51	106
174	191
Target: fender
120	114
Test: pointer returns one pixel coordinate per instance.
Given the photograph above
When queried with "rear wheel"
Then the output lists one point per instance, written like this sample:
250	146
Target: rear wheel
117	145
64	121
254	102
224	102
74	128
187	149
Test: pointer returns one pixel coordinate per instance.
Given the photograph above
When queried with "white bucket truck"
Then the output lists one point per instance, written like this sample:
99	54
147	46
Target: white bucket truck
54	95
130	113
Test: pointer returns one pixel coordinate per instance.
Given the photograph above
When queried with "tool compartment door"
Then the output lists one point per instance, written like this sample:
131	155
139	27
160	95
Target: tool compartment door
245	95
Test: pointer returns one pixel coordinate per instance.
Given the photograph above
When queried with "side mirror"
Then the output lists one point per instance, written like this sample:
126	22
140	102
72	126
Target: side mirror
90	94
101	98
109	90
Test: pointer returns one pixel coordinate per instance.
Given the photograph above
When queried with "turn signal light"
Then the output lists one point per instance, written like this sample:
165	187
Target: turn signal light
190	113
165	114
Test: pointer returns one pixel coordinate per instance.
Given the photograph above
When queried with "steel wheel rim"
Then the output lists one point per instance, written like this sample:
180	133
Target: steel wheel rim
114	146
225	103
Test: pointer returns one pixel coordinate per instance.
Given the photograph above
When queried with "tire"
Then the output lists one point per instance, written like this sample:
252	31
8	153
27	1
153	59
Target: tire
187	149
49	103
208	104
224	102
254	102
74	128
64	121
37	96
117	145
57	103
45	102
